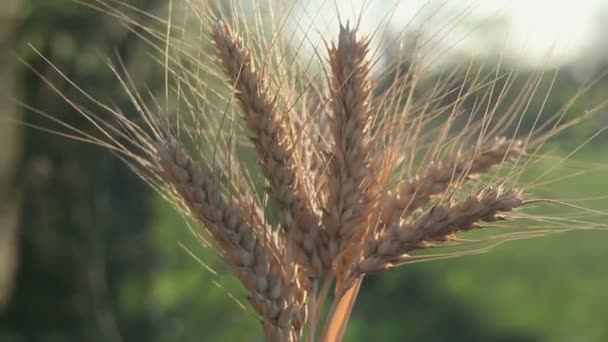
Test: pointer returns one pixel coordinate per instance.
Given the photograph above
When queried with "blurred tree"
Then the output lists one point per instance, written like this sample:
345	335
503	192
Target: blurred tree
84	216
9	143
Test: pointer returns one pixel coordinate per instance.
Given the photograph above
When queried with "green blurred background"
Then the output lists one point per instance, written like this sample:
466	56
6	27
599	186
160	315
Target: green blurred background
89	253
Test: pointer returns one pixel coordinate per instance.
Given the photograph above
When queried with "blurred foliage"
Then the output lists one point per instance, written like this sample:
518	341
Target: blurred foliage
102	258
84	216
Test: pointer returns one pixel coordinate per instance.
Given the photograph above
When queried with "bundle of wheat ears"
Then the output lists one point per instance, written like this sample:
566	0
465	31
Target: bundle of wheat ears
360	170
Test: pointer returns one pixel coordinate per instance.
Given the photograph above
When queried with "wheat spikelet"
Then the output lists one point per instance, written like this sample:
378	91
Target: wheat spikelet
273	294
436	178
310	133
261	117
438	224
253	215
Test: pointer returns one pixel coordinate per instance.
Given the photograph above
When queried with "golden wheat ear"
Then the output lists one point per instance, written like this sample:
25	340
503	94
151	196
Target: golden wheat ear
270	138
435	178
272	292
438	224
350	171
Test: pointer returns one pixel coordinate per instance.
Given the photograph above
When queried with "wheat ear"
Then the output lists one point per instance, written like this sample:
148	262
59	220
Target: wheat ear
438	224
349	170
261	117
437	177
273	293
